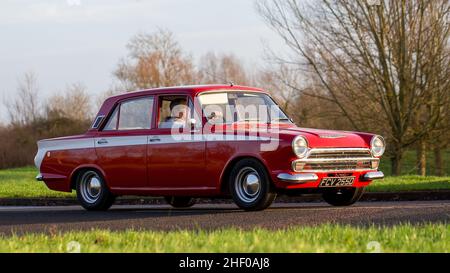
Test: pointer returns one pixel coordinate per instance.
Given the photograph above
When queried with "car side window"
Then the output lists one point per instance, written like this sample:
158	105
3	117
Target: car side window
112	122
217	108
133	114
136	114
174	111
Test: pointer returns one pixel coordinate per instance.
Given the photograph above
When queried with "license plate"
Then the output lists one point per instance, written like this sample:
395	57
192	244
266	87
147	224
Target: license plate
331	182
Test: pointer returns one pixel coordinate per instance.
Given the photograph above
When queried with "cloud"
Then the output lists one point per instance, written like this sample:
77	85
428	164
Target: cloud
71	11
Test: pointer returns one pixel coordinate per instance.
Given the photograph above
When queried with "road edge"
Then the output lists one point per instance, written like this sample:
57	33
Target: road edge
368	196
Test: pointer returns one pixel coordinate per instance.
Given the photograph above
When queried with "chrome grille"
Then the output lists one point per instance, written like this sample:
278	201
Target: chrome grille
328	153
324	160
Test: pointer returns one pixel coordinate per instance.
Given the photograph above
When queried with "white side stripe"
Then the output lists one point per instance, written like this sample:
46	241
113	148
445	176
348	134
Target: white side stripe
107	142
120	141
56	145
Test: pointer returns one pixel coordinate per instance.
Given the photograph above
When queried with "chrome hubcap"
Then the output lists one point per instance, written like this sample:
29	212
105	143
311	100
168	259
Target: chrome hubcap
248	184
91	187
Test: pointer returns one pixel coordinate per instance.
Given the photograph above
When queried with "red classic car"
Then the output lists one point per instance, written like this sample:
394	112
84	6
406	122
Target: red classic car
183	143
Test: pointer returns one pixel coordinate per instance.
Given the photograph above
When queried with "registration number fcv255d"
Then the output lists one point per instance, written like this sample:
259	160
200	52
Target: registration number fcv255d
331	182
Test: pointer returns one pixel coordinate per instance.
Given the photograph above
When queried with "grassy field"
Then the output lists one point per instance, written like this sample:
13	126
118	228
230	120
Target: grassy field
20	183
410	183
325	238
409	163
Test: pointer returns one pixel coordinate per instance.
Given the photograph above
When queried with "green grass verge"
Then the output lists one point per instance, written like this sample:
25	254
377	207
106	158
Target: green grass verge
325	238
21	183
410	183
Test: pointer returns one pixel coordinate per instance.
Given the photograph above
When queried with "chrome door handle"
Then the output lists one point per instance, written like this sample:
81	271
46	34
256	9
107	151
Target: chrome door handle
102	141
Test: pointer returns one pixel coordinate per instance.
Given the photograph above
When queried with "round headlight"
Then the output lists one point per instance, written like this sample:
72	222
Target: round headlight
300	146
377	146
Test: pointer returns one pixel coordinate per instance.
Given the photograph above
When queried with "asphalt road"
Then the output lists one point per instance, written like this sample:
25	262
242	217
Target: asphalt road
161	217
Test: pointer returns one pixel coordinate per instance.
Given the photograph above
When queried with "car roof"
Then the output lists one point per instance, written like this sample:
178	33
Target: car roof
194	90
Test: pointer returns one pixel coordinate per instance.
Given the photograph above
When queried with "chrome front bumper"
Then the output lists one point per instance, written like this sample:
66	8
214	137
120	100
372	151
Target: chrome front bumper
311	177
298	178
373	175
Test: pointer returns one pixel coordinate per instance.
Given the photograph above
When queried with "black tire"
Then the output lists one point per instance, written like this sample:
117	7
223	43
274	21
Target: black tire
242	185
180	202
92	192
342	197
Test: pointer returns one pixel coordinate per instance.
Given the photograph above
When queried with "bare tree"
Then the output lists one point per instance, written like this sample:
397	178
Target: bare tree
74	103
439	138
24	108
284	82
383	63
308	106
222	68
155	60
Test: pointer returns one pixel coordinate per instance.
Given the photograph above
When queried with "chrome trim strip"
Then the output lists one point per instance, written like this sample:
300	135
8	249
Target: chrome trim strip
335	171
337	150
298	178
327	150
332	160
373	175
39	177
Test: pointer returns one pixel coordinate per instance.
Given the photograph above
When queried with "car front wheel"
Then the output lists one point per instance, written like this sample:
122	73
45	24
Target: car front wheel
92	192
342	197
250	186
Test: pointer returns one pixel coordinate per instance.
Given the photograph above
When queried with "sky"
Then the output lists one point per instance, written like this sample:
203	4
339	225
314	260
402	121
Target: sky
81	41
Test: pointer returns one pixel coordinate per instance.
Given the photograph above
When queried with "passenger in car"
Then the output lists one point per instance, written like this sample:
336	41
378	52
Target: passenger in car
179	111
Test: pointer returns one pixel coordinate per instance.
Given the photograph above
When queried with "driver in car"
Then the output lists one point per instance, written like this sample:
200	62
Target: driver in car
178	118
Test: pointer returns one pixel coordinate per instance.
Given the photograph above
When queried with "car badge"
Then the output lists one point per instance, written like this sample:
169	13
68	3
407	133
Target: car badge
331	136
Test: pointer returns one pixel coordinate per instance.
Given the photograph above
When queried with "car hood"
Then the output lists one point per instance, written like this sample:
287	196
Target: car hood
318	138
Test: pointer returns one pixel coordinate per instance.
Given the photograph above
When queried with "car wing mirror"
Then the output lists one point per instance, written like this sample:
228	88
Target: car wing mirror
192	124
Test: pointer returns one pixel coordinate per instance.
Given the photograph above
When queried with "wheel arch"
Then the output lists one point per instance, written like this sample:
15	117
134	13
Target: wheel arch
77	171
231	163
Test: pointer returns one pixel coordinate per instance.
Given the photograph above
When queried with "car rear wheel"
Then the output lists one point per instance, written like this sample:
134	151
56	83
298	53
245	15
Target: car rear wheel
92	192
342	197
250	185
180	202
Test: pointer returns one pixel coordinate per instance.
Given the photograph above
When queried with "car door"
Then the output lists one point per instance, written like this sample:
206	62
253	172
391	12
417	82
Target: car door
121	145
176	161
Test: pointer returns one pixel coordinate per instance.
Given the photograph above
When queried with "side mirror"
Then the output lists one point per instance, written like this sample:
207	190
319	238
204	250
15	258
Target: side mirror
192	123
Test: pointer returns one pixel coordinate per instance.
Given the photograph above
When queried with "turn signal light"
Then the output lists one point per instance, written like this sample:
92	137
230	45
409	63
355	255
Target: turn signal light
298	166
375	164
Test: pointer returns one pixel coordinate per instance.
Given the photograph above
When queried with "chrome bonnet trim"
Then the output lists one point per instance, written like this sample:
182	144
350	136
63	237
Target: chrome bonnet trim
328	150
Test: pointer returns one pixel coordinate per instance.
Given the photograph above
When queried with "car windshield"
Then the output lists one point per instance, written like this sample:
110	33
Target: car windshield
229	107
